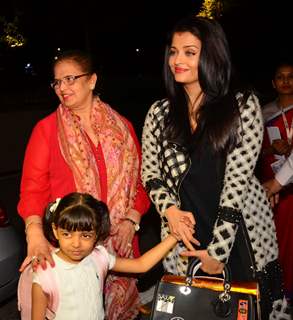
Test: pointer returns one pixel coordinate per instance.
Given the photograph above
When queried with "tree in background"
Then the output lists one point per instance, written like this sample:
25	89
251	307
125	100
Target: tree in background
214	9
11	36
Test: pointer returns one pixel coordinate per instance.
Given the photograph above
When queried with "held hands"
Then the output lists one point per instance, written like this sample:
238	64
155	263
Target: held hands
181	224
38	250
209	264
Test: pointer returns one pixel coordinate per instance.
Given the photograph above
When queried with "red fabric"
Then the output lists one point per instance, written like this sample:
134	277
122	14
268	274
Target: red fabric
283	212
46	176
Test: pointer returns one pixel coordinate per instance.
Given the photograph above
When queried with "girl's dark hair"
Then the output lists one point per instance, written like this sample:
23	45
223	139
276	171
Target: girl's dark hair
82	58
218	112
78	212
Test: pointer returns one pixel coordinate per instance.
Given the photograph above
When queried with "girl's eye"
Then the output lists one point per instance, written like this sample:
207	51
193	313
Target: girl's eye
66	234
88	235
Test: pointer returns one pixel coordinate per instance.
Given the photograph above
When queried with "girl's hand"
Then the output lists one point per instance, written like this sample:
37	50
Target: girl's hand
209	264
181	224
124	238
38	248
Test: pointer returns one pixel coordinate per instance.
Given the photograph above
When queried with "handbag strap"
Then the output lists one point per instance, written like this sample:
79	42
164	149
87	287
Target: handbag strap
194	266
242	227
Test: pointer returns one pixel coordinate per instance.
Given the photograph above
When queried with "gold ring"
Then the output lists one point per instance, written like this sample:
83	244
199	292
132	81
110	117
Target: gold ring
35	258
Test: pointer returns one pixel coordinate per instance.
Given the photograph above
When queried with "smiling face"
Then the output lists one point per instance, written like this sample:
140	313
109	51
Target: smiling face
184	58
283	80
74	245
79	93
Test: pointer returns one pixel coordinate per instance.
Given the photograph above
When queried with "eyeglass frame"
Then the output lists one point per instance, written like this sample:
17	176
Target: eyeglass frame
68	80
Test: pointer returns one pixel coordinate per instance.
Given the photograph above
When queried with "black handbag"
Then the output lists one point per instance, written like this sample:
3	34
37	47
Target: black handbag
204	298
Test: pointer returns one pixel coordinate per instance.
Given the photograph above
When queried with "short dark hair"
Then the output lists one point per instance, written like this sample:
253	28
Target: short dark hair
83	58
78	212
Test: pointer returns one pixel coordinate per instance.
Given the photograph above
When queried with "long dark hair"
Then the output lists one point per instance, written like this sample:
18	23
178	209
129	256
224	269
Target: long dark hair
77	212
218	112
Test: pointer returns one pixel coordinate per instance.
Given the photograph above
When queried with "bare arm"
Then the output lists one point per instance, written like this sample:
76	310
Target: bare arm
147	260
39	302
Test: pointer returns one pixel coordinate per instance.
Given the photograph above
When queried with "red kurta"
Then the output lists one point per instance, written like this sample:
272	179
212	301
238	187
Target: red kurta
46	176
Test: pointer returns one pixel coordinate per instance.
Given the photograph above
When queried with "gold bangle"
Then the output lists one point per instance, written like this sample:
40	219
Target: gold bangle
30	223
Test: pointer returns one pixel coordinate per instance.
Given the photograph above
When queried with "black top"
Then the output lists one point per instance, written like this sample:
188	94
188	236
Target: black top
200	193
201	189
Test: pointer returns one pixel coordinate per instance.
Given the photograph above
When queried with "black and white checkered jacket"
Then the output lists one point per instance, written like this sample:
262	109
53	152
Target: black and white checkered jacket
164	165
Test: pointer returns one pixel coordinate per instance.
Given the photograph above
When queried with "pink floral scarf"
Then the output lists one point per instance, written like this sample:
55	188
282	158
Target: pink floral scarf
122	166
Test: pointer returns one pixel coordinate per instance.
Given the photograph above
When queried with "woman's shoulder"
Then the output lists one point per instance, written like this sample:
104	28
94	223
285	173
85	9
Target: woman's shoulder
159	108
47	121
47	125
269	110
248	102
158	105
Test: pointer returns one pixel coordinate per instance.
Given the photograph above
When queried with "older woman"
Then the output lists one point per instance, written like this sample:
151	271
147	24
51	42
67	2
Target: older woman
85	146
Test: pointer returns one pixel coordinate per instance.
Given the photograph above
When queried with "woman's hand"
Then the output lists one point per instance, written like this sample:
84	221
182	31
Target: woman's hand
209	264
281	147
124	237
272	188
125	233
181	224
38	247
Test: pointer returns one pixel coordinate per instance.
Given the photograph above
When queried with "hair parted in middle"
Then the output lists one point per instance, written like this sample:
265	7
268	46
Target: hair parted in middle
78	212
218	115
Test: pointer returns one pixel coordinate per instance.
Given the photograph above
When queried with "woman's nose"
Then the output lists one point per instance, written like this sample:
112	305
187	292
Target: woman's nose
178	59
62	85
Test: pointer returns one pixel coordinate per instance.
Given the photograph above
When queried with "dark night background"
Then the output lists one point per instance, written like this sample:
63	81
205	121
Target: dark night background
259	32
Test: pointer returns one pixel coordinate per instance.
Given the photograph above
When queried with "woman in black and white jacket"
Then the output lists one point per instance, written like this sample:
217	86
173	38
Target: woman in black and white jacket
200	147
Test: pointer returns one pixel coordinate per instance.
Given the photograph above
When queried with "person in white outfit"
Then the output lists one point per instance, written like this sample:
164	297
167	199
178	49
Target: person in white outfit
78	224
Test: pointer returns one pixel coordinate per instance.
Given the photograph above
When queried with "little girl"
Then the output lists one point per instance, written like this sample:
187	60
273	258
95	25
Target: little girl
77	224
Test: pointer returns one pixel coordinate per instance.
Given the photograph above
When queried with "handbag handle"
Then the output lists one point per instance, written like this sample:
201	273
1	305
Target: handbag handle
222	305
194	266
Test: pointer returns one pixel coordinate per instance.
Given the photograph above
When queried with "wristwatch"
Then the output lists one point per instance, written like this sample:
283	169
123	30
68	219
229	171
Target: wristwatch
135	224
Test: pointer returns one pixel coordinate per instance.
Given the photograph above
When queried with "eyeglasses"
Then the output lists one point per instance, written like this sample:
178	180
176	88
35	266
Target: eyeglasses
68	80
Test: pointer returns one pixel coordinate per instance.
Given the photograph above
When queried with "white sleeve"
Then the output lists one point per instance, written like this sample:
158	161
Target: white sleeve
36	278
286	172
112	260
110	257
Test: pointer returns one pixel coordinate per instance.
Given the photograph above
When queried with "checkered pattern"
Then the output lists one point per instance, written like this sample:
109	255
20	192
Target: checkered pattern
243	192
165	164
280	310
